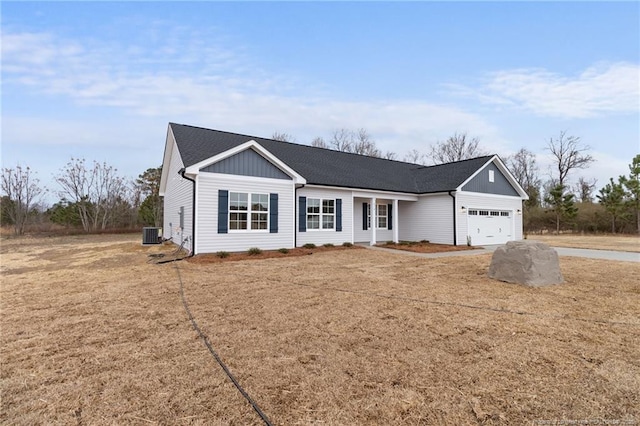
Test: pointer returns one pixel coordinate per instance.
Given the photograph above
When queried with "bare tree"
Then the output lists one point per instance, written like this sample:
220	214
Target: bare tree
584	189
282	137
342	140
457	147
22	191
363	144
390	155
319	143
568	154
416	157
524	168
97	192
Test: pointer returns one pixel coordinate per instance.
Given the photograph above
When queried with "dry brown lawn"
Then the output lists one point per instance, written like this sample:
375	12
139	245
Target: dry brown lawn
93	334
619	242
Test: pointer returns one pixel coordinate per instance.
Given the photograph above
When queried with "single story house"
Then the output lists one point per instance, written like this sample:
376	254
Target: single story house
231	192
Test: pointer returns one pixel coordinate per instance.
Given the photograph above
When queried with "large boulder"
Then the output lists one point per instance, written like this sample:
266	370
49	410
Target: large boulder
532	263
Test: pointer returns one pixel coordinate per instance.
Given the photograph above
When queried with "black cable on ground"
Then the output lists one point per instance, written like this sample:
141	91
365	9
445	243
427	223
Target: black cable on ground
207	343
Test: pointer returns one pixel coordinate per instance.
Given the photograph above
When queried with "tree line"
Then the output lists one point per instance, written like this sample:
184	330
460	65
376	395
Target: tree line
94	197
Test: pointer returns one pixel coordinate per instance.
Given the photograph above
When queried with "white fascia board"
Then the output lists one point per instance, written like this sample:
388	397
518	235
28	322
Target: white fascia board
360	193
169	148
194	169
498	162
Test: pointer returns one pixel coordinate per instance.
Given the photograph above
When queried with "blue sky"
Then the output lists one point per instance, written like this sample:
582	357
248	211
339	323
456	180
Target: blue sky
101	80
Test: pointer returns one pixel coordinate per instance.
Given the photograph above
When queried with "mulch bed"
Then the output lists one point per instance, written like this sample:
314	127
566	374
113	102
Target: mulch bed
423	247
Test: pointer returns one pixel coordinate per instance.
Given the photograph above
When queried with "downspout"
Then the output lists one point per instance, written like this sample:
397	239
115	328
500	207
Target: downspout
296	206
193	212
455	242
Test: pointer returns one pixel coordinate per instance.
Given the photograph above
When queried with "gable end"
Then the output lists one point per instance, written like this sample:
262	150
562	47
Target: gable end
490	180
247	163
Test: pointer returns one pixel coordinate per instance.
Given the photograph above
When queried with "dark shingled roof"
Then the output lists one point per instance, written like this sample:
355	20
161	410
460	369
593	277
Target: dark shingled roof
327	167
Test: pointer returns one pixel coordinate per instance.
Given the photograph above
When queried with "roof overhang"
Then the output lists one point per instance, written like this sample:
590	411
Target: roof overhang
193	170
505	171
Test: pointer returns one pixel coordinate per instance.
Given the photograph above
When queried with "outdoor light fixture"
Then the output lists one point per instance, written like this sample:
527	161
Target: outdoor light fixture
463	209
519	211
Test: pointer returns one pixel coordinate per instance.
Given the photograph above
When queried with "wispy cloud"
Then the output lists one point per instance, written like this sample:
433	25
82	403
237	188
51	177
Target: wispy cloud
183	78
598	90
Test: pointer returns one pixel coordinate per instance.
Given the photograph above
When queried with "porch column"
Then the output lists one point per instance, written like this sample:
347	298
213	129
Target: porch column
374	221
395	213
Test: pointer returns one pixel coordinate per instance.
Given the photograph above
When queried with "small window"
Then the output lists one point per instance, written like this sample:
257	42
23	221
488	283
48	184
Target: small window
328	214
495	213
382	216
484	212
473	212
491	176
504	214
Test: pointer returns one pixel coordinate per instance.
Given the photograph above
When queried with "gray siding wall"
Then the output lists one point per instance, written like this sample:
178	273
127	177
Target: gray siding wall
430	218
247	163
178	196
325	236
210	241
360	235
500	185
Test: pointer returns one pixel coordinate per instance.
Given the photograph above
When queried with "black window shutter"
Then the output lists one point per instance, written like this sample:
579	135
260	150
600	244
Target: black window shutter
302	214
339	215
389	216
365	216
223	211
273	213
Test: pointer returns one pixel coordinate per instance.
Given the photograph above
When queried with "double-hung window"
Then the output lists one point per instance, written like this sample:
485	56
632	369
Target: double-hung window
382	216
248	212
321	214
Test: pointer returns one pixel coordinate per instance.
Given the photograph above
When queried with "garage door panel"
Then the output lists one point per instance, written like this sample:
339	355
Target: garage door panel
490	226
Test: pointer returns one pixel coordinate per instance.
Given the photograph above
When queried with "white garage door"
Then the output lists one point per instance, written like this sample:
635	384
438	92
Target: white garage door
490	226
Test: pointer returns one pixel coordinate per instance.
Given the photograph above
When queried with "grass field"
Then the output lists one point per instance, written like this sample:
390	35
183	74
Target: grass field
93	334
621	242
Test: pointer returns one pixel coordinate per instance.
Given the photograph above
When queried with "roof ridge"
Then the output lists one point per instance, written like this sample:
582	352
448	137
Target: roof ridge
293	143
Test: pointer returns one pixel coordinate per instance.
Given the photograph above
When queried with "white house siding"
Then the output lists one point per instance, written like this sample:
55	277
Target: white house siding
471	200
430	218
178	193
362	235
210	241
322	236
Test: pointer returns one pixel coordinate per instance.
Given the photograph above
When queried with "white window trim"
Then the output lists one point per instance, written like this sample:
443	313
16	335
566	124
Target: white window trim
249	212
379	216
320	215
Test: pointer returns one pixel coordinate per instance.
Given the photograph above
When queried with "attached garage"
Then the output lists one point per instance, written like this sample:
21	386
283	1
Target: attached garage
490	226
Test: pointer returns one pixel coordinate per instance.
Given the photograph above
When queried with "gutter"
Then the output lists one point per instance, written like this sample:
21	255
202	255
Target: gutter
455	242
181	172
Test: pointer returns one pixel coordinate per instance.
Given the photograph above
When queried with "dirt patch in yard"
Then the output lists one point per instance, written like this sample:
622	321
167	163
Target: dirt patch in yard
93	334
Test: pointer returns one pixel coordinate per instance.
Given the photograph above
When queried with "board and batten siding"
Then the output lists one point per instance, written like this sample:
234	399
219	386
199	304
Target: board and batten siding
486	202
210	241
324	236
430	218
481	182
178	194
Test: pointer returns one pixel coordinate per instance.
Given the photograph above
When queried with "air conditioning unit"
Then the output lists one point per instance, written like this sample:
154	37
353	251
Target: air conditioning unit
151	236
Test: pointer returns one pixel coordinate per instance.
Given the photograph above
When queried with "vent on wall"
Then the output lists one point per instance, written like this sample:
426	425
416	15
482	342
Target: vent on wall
151	236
